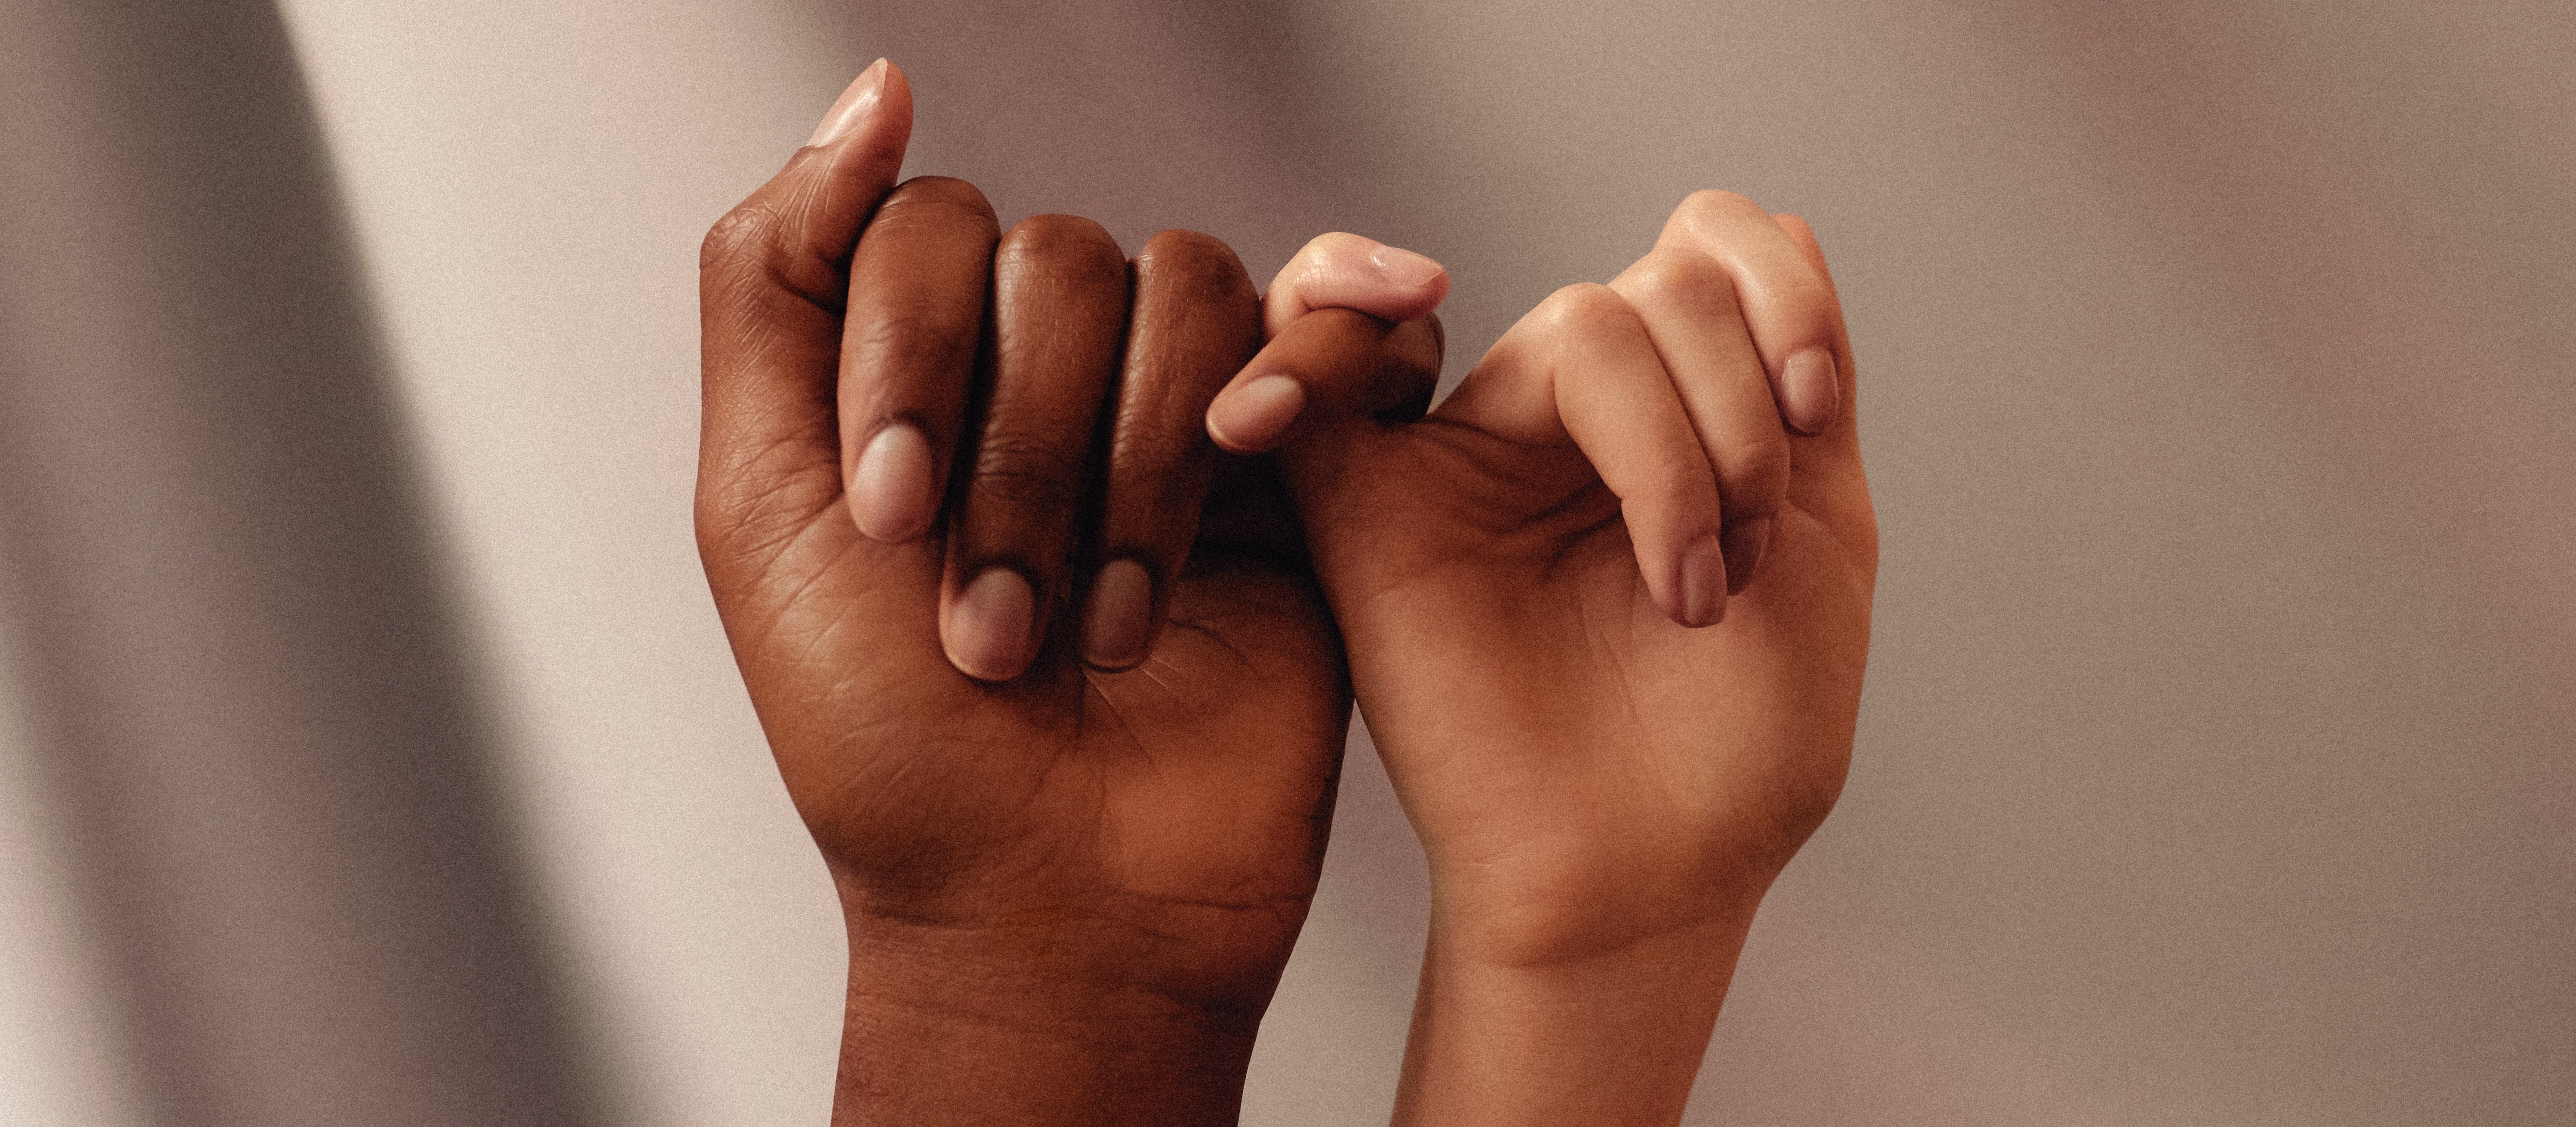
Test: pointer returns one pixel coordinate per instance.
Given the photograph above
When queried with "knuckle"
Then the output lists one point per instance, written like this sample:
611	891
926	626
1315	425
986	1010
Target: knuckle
933	200
1150	452
1041	238
1334	247
1678	474
1677	281
1753	474
947	191
1714	203
1201	264
1177	245
1322	345
1585	308
1809	303
739	240
1320	268
1022	474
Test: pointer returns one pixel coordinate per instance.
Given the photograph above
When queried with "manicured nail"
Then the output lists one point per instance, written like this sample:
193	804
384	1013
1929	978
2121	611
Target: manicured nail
855	104
1811	391
891	496
987	632
1703	582
1744	546
1250	417
1118	626
1403	267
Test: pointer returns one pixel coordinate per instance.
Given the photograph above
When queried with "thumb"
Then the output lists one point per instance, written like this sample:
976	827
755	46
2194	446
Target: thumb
773	277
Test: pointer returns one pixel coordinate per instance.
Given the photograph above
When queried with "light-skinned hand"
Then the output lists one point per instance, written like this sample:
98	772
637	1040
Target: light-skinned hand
1607	610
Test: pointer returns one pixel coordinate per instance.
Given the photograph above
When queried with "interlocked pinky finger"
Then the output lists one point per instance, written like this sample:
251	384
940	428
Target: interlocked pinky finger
1339	270
1328	365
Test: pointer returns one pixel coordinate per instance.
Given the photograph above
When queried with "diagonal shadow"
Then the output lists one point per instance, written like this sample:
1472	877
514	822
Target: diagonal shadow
252	701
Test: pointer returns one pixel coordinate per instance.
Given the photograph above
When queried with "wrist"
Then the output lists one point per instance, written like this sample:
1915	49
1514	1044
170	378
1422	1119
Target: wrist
1570	906
1613	1037
1030	1024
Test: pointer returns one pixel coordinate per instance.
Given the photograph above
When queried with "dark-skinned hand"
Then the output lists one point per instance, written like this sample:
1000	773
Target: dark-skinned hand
1048	678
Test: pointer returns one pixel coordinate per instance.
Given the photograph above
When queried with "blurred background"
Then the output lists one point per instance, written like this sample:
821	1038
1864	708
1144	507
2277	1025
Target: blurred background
369	751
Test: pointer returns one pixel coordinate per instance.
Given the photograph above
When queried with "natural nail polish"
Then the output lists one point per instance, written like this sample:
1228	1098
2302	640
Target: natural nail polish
1403	267
987	632
1118	625
1811	391
853	106
891	496
1703	587
1251	417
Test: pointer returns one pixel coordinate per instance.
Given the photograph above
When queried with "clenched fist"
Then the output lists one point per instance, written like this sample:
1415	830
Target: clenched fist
1607	610
1047	676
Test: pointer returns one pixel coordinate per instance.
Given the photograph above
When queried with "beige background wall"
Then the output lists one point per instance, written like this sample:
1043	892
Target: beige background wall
2217	364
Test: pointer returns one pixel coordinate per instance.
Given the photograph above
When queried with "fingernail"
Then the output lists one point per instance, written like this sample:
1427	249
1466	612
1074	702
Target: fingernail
890	491
1744	546
1118	625
1703	582
987	632
855	104
1403	267
1811	391
1251	417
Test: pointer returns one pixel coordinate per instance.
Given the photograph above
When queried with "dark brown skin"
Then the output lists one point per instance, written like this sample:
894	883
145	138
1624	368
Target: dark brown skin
1070	892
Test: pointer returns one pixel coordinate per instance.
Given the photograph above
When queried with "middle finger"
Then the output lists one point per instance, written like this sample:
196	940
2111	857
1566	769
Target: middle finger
1059	320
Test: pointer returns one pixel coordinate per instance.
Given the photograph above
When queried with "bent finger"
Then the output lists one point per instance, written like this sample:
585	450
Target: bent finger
1583	368
908	348
1848	392
1059	321
1194	323
1328	364
1689	307
1788	306
1346	271
1827	478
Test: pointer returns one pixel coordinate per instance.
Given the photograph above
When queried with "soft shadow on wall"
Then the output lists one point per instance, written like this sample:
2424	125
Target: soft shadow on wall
252	718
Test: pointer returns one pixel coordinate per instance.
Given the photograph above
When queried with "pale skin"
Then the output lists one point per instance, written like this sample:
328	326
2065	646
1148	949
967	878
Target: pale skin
1076	822
1604	789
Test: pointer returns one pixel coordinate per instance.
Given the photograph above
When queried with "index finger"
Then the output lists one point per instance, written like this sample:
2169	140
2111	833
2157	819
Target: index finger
918	286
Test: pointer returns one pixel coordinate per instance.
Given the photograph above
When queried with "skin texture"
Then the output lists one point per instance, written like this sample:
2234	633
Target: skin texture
1054	687
1070	888
1604	789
